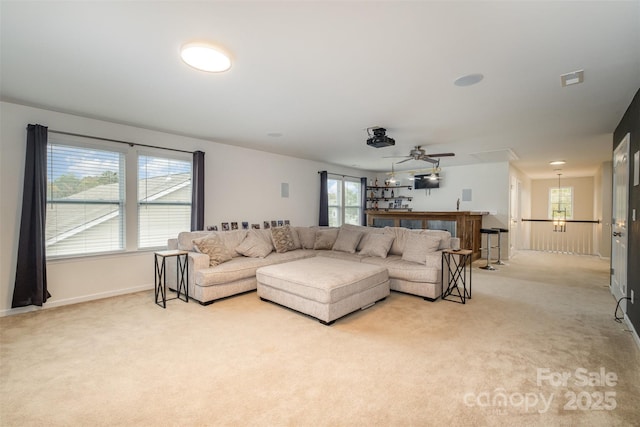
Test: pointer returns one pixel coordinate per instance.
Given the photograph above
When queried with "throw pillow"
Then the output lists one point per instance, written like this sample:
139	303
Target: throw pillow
325	238
347	240
366	230
377	245
213	246
282	239
307	237
254	246
418	245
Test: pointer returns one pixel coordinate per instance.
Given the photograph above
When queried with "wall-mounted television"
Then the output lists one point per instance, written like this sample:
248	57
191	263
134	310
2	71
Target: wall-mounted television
424	181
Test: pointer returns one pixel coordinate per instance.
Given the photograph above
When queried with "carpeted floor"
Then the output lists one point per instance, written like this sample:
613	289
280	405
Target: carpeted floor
405	361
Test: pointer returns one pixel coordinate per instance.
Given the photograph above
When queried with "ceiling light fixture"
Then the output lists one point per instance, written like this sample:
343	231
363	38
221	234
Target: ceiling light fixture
205	57
468	80
572	78
557	162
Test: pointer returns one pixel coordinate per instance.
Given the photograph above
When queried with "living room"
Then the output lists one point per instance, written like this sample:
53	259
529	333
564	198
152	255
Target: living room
244	184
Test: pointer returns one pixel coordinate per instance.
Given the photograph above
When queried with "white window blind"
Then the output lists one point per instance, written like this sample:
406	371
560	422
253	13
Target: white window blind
164	199
85	201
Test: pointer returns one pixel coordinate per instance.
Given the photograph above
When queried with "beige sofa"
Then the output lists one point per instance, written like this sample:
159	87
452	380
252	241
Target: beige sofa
413	258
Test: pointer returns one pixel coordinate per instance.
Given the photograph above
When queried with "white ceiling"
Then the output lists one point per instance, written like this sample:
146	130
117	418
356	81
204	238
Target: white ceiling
320	73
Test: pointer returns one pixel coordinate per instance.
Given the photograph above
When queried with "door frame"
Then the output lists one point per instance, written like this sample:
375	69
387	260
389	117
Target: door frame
619	261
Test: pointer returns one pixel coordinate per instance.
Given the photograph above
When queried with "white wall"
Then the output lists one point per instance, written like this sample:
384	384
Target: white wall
521	238
240	185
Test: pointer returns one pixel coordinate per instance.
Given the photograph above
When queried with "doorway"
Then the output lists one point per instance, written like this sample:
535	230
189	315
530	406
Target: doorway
619	223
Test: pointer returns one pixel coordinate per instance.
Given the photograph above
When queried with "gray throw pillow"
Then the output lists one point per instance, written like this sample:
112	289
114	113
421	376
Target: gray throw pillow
418	245
377	245
325	238
254	246
347	240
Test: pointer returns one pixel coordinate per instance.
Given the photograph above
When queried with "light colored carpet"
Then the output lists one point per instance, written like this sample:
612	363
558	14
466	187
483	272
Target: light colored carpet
405	361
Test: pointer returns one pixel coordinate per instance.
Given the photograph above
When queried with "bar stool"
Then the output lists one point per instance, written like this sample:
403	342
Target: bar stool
500	231
488	232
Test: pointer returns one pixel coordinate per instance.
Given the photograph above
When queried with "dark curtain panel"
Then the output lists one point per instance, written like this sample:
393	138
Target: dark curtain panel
363	198
197	192
323	217
31	270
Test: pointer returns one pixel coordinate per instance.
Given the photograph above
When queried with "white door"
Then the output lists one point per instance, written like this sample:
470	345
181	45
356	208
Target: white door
620	221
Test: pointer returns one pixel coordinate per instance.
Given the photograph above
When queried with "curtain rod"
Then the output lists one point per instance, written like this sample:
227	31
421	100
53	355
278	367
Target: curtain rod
341	174
118	141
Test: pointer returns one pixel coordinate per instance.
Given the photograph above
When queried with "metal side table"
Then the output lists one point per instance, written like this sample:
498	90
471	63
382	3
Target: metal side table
182	276
456	263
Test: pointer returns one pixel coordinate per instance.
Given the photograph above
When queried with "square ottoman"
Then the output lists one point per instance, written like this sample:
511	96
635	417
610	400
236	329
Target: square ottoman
324	288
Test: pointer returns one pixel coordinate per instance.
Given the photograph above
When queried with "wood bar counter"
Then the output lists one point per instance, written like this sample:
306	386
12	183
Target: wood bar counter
463	224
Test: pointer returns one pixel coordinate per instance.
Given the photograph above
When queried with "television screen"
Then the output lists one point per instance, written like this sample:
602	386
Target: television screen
423	181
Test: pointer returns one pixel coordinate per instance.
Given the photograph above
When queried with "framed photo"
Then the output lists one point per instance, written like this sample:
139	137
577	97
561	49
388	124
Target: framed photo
274	223
234	225
245	225
255	226
287	222
225	226
212	228
266	225
280	223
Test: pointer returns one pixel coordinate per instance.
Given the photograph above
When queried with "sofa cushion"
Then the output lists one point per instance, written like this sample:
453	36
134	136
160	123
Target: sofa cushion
232	239
445	237
185	239
406	270
418	246
282	239
355	257
377	245
254	246
347	240
243	267
213	246
367	232
325	238
307	236
401	234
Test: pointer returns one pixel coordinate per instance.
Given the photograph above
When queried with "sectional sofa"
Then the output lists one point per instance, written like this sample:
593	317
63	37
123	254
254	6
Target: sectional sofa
224	263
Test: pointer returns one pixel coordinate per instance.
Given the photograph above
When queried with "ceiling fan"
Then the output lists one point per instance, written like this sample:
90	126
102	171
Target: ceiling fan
418	153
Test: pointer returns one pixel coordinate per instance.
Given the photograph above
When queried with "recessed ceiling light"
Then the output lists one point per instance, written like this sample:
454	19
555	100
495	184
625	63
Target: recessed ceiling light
572	78
468	80
204	57
557	162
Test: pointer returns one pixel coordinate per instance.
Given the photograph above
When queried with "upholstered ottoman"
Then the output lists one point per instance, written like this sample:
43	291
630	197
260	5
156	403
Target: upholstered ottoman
324	288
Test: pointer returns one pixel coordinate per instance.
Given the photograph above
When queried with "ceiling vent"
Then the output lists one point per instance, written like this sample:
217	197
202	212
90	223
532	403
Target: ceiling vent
379	138
572	78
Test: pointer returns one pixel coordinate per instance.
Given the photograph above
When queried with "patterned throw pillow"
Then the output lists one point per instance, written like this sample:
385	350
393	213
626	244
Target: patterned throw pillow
213	246
254	246
283	239
347	240
377	245
418	245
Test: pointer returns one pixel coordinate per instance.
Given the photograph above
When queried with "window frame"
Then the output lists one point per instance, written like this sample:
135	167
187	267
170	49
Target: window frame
342	207
129	210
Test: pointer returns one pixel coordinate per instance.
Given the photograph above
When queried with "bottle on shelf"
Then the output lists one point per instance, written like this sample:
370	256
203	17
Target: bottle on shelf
392	193
376	184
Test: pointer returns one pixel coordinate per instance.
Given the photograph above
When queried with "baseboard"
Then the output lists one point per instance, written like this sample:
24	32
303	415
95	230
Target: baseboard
75	300
634	333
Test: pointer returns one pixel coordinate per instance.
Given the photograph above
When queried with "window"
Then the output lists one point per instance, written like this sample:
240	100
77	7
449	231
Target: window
85	200
345	201
561	199
164	199
105	198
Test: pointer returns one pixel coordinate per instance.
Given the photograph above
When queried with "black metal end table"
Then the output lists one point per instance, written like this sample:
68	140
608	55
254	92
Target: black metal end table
182	276
456	263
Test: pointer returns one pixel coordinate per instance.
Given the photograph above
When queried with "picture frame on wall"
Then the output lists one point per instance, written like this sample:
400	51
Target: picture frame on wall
266	225
245	225
234	225
287	222
274	223
280	223
255	226
225	226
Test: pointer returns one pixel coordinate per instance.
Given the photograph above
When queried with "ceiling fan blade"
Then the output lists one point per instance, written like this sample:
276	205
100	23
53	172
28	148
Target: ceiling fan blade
441	155
395	157
405	160
429	159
